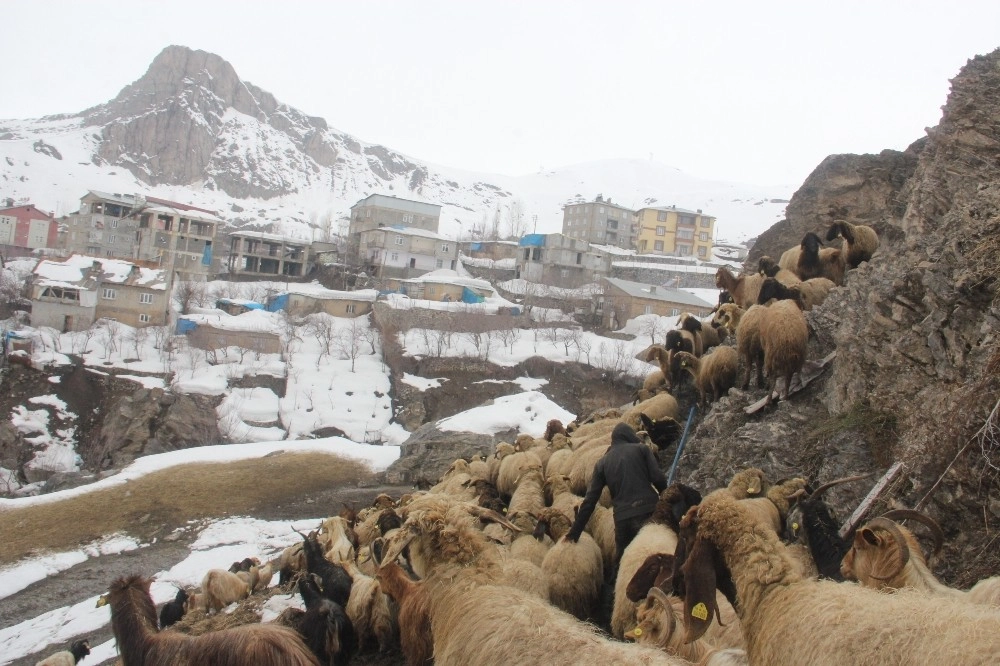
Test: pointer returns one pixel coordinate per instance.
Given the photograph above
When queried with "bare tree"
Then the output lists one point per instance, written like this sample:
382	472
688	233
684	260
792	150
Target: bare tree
84	338
348	341
570	337
323	329
583	346
509	334
190	294
482	340
370	335
652	325
517	224
138	339
615	359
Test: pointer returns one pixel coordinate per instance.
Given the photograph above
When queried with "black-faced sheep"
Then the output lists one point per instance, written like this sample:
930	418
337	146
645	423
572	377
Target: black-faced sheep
714	374
781	612
809	261
173	610
660	407
860	241
807	294
768	267
784	337
727	317
744	289
748	343
77	651
133	622
886	556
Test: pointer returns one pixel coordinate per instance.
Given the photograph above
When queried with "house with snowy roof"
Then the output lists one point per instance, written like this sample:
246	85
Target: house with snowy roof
71	294
404	252
443	285
25	228
309	299
623	300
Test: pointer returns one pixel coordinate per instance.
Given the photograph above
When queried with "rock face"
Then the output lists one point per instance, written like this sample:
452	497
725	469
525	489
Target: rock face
428	453
915	330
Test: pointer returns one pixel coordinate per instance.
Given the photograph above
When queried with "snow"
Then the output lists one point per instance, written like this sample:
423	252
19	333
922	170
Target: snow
422	383
527	412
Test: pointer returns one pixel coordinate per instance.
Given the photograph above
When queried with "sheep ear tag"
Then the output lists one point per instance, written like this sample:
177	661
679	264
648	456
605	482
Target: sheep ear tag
700	611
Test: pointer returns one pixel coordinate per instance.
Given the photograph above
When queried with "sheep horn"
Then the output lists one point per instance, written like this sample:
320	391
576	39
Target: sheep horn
904	550
490	515
906	514
661	596
830	484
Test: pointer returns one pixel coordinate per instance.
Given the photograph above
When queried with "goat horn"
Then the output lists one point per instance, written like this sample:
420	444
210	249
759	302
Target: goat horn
932	525
297	532
488	514
830	484
395	549
904	550
661	596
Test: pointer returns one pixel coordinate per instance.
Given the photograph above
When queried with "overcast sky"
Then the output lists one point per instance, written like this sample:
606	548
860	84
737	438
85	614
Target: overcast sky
753	92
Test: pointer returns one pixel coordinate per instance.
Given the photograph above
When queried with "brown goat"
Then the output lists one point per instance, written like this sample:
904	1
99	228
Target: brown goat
414	618
133	621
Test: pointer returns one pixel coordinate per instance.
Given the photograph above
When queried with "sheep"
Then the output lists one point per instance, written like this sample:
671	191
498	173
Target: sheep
511	469
658	535
553	427
503	449
559	495
335	582
784	336
655	382
532	547
77	651
657	626
368	609
886	556
767	267
662	433
748	343
601	526
340	542
771	509
222	588
688	322
860	241
807	294
574	572
750	482
809	261
743	289
661	406
414	612
727	318
133	622
479	469
714	374
325	626
173	610
810	522
782	613
528	497
261	575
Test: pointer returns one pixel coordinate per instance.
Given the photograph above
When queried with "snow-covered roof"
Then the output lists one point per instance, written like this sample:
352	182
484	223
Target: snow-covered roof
675	209
612	249
334	295
447	276
389	201
699	269
412	231
154	204
658	293
250	321
72	271
260	235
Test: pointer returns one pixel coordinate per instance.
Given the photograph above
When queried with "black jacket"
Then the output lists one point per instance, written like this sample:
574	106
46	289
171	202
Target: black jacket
630	471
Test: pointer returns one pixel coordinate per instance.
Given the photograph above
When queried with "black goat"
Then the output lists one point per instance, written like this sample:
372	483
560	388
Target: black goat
334	581
173	611
325	626
810	522
388	520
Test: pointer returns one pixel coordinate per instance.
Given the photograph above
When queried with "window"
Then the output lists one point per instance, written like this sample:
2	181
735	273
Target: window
368	213
394	256
661	216
398	240
350	308
674	312
144	319
706	221
579	257
703	236
111	238
702	252
658	246
647	310
439	264
445	247
601	211
685	234
109	253
146	299
407	218
661	231
108	294
114	224
612	224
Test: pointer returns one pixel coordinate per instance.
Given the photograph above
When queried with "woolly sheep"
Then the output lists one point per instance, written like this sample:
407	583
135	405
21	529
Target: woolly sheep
784	337
783	614
532	547
659	407
77	651
744	289
574	572
714	374
807	294
528	497
860	241
751	482
503	449
511	469
811	262
768	267
727	317
658	624
748	343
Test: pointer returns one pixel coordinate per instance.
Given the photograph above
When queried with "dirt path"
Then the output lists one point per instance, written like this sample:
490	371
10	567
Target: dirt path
93	576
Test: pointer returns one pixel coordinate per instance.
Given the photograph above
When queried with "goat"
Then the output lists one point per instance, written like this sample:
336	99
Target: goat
173	610
860	241
77	651
339	540
414	612
369	610
721	547
335	582
811	523
886	556
133	622
325	626
221	588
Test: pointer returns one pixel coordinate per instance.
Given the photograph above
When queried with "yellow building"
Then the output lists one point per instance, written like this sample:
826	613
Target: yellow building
675	231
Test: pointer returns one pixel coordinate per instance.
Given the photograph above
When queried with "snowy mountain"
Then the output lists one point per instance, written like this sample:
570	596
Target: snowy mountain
191	130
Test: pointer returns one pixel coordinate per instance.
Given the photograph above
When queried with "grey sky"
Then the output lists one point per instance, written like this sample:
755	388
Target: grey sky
755	92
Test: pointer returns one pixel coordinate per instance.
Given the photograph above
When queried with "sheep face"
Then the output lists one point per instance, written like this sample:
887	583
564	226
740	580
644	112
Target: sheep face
656	572
663	433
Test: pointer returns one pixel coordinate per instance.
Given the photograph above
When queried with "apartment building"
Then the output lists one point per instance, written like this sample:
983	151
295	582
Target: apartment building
25	228
70	295
600	221
176	236
675	231
560	260
404	252
258	253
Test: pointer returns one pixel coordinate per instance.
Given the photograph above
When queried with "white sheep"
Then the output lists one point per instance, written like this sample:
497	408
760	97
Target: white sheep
77	651
575	572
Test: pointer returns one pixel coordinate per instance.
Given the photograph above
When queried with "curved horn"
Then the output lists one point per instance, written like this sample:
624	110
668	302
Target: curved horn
490	515
297	532
830	484
904	550
395	548
932	525
661	596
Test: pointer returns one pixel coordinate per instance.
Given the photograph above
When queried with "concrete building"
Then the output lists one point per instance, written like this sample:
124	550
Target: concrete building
623	300
600	221
70	295
675	231
25	228
176	236
336	303
257	253
379	210
561	261
404	252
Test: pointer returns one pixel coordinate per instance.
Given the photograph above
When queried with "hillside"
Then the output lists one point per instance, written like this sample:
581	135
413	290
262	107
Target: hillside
191	130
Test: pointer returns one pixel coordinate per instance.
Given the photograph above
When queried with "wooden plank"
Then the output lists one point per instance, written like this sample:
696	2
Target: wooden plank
870	498
810	371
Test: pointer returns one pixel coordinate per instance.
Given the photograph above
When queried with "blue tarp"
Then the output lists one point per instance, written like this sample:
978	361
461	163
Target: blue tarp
275	303
475	247
185	326
532	240
469	296
206	255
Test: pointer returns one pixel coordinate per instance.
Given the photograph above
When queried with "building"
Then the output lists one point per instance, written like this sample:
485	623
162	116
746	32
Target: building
444	285
257	253
600	221
25	228
176	236
404	252
675	231
379	210
70	295
336	303
560	261
623	300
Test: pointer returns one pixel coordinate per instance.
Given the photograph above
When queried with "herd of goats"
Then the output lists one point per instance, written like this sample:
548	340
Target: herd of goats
475	569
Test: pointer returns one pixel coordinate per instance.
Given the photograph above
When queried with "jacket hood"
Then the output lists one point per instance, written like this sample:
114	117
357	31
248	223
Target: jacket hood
623	433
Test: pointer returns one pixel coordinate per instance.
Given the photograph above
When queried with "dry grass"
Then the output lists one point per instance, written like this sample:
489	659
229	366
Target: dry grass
171	497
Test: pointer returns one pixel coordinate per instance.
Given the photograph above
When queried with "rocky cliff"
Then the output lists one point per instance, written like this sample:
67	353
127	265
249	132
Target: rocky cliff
915	333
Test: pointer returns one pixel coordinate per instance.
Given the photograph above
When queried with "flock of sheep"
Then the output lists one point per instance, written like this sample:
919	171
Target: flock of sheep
474	570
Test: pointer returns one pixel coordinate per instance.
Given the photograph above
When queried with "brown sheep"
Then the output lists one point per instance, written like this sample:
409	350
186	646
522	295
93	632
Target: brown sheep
714	374
744	289
809	261
860	241
784	337
748	344
728	317
768	267
808	294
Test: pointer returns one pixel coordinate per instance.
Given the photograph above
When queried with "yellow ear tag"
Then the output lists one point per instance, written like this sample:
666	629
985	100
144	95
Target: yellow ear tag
795	526
637	632
700	611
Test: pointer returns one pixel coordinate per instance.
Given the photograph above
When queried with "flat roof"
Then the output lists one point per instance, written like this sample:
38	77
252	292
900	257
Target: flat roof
658	293
389	201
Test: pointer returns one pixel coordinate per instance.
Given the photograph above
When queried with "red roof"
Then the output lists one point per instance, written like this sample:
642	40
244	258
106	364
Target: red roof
27	211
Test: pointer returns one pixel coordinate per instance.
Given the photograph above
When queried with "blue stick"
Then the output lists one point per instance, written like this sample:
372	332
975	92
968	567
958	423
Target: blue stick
680	447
